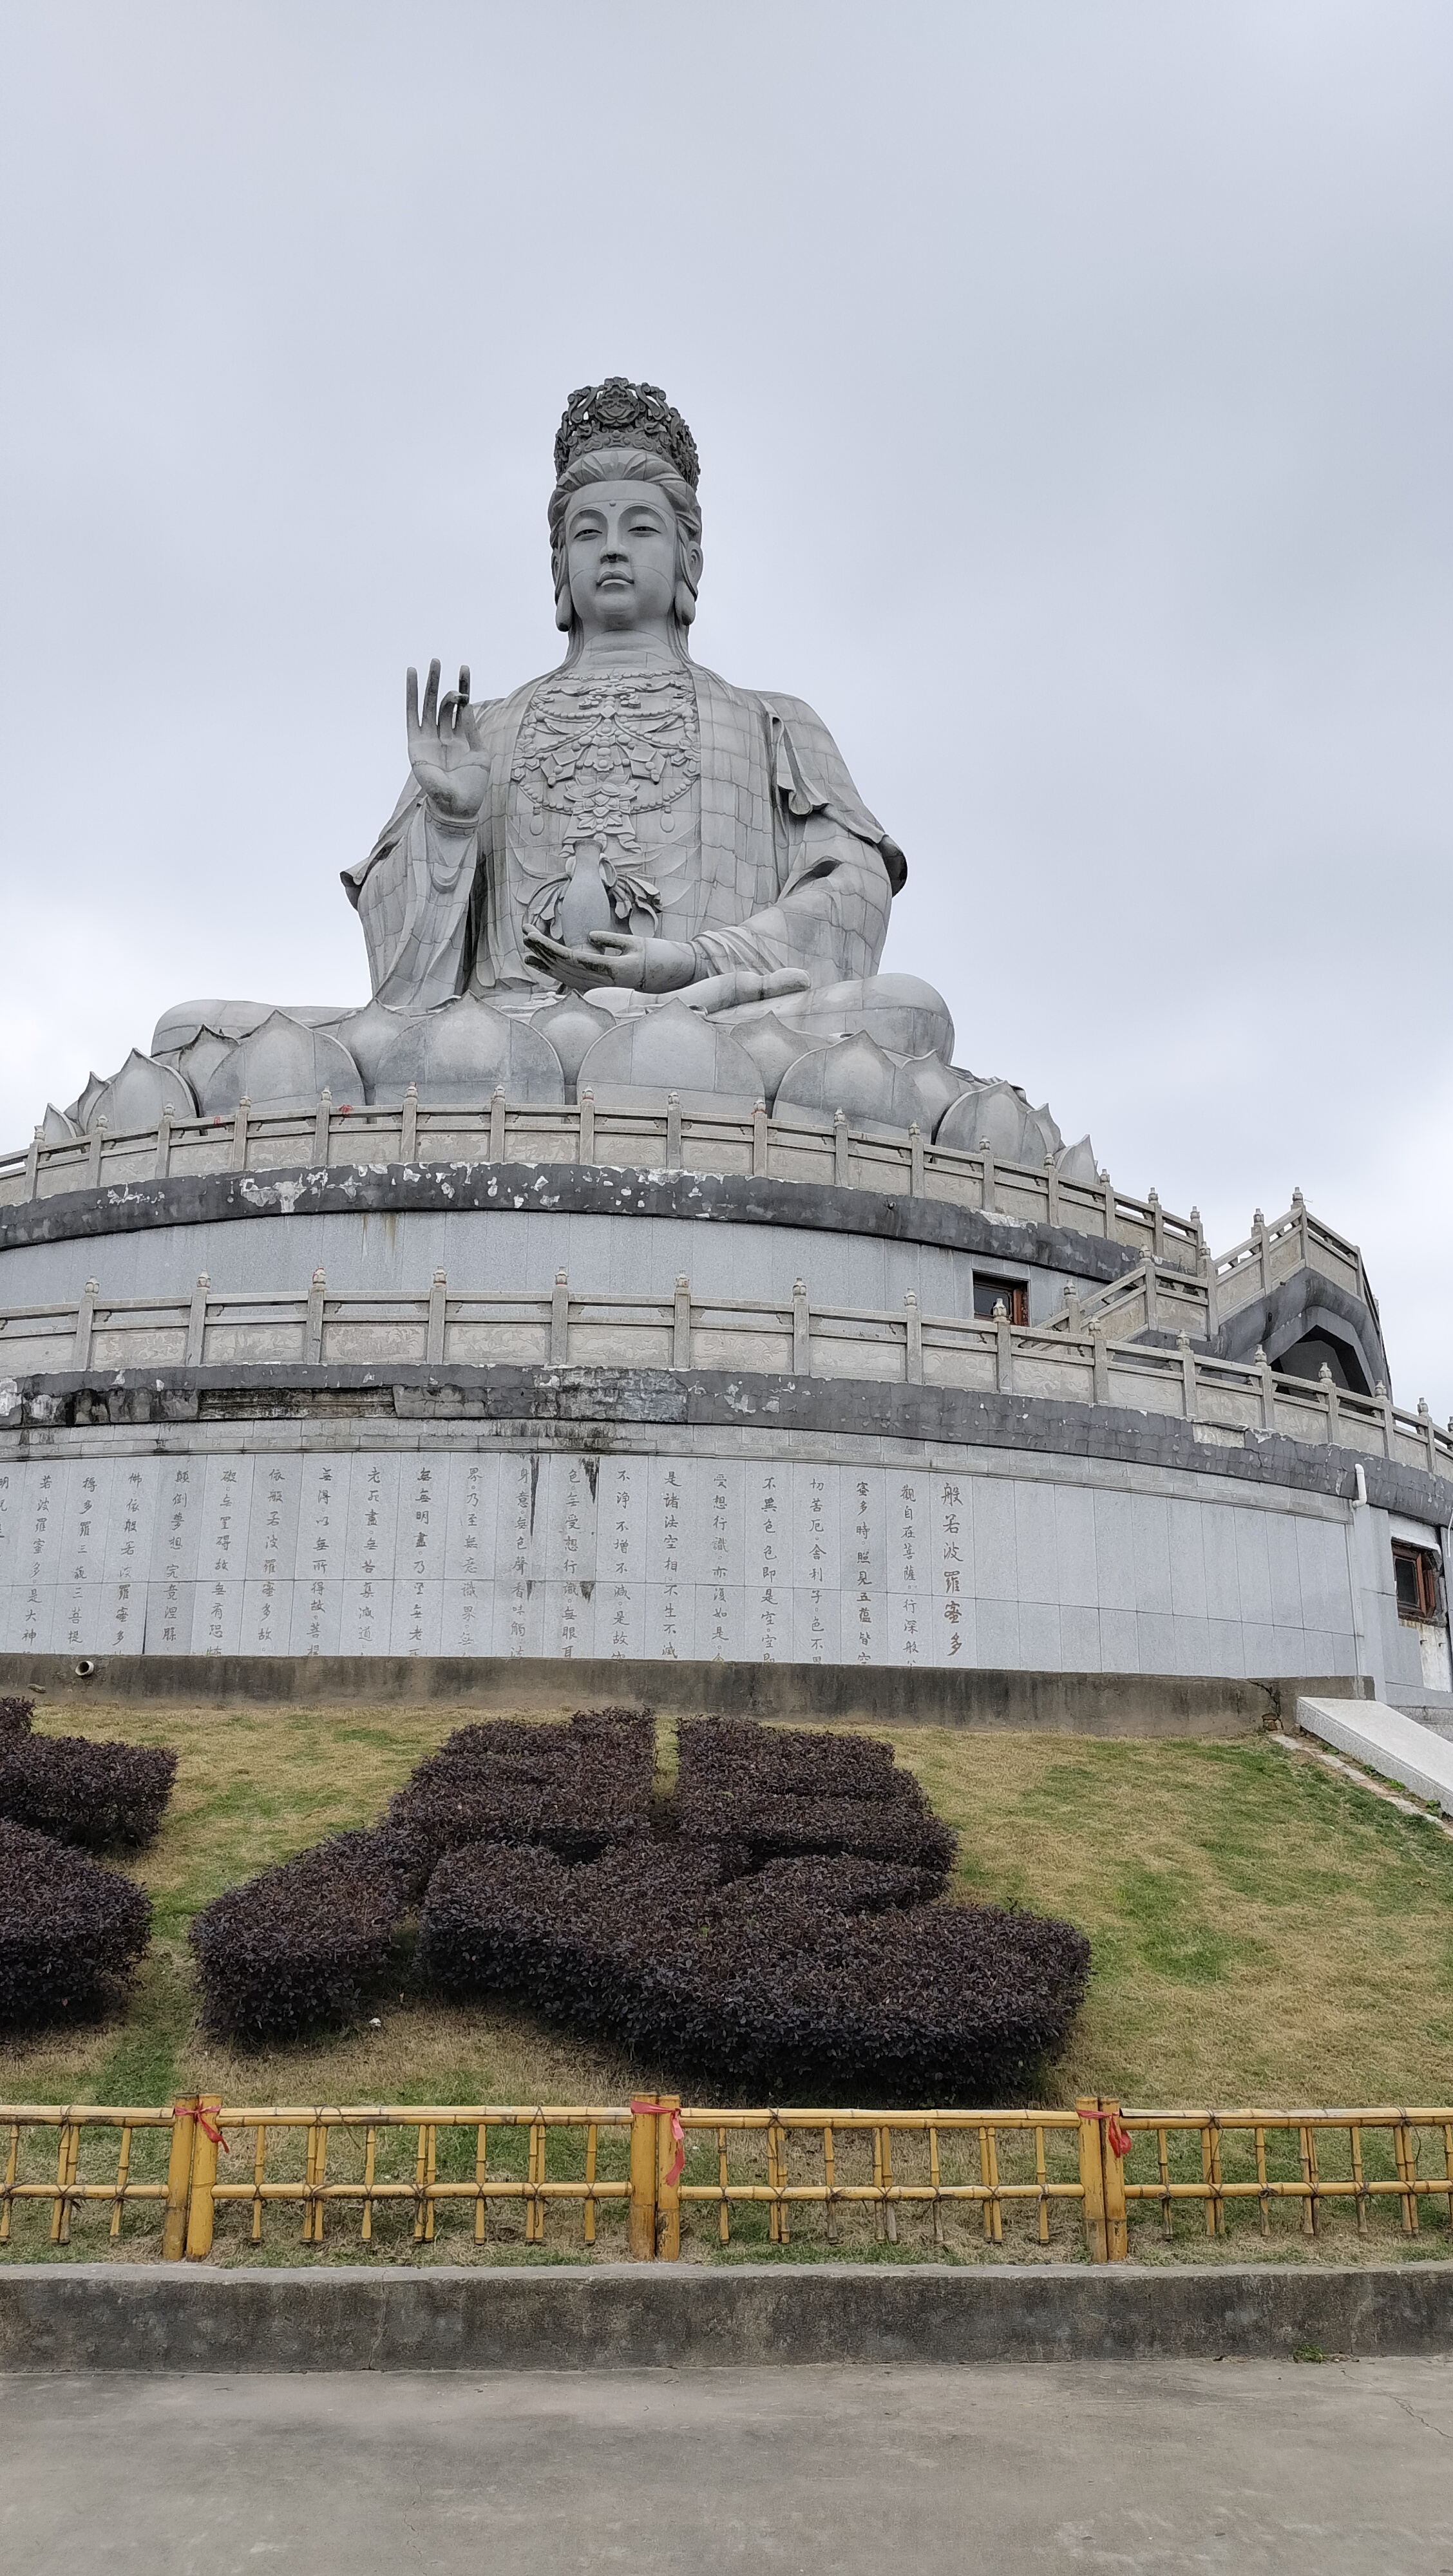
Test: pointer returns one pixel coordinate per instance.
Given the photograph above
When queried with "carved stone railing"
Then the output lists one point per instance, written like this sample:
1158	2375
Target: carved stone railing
1276	1251
670	1140
1156	1296
561	1326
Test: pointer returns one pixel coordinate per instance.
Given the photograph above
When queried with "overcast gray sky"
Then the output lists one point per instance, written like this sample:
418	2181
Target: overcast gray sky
1072	380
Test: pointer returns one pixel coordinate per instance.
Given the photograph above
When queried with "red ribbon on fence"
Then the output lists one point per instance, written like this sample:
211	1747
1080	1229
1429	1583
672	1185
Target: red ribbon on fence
676	2168
205	2122
1117	2137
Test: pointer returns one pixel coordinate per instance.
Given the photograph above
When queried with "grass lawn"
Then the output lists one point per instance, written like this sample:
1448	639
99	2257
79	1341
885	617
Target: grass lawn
1263	1931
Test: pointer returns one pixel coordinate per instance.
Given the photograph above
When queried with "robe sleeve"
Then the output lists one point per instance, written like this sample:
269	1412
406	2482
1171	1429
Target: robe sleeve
841	873
412	896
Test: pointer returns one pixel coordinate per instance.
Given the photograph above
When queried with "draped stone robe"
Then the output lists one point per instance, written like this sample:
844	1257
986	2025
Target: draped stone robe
789	869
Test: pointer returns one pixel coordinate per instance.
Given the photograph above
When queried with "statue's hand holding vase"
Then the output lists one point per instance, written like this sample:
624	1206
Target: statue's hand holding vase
444	752
614	957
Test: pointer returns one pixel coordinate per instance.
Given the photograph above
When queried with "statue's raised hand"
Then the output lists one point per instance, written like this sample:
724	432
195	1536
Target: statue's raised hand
444	752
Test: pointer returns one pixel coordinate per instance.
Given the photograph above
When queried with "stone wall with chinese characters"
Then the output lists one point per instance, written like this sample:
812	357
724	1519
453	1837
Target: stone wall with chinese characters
656	1545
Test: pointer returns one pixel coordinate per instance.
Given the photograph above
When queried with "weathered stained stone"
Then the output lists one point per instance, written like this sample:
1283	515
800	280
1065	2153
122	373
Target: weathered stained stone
901	1013
772	1047
998	1114
854	1075
368	1034
639	1062
135	1097
283	1065
1077	1163
572	1026
938	1086
466	1051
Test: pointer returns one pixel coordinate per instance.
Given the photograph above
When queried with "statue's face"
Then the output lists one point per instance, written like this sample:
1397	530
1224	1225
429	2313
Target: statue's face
620	554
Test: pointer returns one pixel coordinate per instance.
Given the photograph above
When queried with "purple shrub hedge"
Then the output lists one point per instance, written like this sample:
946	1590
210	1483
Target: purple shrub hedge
106	1797
70	1931
825	1977
575	1789
16	1716
300	1945
773	1795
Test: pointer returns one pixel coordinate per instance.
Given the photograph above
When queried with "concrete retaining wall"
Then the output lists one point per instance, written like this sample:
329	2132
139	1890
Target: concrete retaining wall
155	2317
1106	1704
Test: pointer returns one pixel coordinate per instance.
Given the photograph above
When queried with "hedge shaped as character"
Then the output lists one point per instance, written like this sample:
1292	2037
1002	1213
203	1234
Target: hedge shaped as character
577	1789
302	1944
773	1794
70	1931
825	1977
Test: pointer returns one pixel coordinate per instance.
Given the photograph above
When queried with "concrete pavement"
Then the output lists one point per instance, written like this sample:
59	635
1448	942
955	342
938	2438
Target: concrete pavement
875	2471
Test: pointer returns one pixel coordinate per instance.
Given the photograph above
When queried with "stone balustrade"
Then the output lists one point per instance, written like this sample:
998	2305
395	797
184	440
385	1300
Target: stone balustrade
564	1327
837	1154
1274	1252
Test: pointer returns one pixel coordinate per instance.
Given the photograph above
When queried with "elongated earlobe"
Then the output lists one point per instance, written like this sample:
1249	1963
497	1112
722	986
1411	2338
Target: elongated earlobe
685	603
564	611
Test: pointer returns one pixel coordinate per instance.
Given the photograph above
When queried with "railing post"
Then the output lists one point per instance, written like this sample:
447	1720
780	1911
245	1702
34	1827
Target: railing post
841	1169
913	1321
85	1317
1108	1186
560	1319
1188	1374
93	1165
323	1129
1112	2152
197	1321
673	1131
641	2208
1425	1425
32	1166
179	2180
162	1166
1152	1299
1268	1391
988	1203
239	1134
915	1161
1051	1186
1263	1246
1092	2177
409	1125
497	1126
801	1331
1101	1353
759	1141
313	1331
1327	1389
1299	1211
670	2158
1003	1350
1152	1198
204	2176
434	1346
681	1323
587	1125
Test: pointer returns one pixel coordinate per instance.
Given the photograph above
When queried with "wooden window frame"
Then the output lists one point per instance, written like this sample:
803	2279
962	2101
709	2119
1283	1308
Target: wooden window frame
1015	1293
1424	1564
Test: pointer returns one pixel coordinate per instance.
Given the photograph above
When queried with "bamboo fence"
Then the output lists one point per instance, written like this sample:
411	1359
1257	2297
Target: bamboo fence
630	2177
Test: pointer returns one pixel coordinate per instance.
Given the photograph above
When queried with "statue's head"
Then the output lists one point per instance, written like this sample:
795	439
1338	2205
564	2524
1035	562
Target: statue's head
624	456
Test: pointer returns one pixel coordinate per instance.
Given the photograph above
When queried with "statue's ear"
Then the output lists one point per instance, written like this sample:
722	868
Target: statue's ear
685	603
564	610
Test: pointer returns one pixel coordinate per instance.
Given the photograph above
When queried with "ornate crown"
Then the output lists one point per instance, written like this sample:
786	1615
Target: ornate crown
620	414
